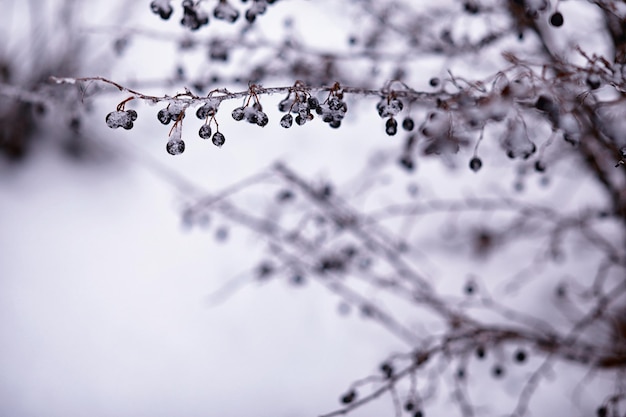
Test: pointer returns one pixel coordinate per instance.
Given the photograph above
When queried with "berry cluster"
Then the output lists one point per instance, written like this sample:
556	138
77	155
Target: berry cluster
225	11
194	17
174	111
121	118
253	114
162	7
299	103
388	107
333	110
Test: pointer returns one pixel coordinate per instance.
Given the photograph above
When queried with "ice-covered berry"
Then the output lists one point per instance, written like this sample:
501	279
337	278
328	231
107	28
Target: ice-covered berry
238	113
262	119
132	114
348	397
218	139
118	118
207	110
313	103
408	124
175	147
164	116
205	131
391	127
593	81
162	7
225	11
286	121
193	17
389	107
475	164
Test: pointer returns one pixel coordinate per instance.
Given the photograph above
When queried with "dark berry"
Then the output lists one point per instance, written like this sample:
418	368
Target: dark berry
286	121
409	406
556	19
175	147
539	166
335	124
132	114
348	397
391	127
218	139
480	352
205	131
117	119
408	124
207	110
164	10
262	119
594	82
544	103
387	370
313	103
164	116
475	164
602	411
520	356
418	413
434	82
407	162
250	16
285	104
300	120
238	113
497	371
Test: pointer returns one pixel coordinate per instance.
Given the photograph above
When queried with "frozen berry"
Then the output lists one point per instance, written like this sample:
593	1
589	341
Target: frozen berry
556	19
205	131
408	124
117	119
391	127
434	82
238	113
497	371
286	121
540	166
175	147
162	8
218	139
164	116
475	164
348	397
262	119
520	356
206	110
132	114
300	121
313	103
593	81
480	352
